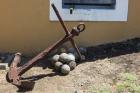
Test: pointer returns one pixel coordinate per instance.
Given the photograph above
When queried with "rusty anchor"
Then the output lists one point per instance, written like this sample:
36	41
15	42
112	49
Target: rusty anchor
14	74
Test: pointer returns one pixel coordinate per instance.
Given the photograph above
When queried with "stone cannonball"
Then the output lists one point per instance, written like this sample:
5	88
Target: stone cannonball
63	57
55	58
71	57
72	65
65	69
58	65
66	58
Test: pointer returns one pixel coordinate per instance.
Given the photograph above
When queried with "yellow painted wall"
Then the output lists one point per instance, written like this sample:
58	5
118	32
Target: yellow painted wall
25	27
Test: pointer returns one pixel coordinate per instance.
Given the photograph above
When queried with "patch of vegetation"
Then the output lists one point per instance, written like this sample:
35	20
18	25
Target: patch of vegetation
128	84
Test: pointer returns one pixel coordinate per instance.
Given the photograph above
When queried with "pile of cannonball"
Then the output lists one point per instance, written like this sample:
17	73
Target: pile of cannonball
65	62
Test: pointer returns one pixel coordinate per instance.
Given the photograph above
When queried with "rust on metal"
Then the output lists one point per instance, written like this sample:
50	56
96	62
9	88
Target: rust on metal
15	72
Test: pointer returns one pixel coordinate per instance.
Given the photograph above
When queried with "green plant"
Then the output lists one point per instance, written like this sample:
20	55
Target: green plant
129	77
129	83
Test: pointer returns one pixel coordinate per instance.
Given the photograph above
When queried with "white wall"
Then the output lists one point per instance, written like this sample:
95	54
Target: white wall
120	13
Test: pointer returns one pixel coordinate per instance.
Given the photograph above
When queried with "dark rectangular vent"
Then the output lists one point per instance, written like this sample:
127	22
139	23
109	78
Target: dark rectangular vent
90	4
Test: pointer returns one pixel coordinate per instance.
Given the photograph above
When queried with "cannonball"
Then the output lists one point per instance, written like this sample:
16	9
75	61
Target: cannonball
63	57
66	58
70	57
58	65
55	58
72	65
65	69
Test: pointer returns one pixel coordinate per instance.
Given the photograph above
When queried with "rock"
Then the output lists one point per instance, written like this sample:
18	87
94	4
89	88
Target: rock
72	65
58	65
55	58
65	69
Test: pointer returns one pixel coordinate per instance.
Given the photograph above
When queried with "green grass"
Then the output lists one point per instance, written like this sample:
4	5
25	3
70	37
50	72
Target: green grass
127	84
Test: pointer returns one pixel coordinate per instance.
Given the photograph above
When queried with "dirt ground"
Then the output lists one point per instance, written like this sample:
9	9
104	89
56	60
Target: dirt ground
86	78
